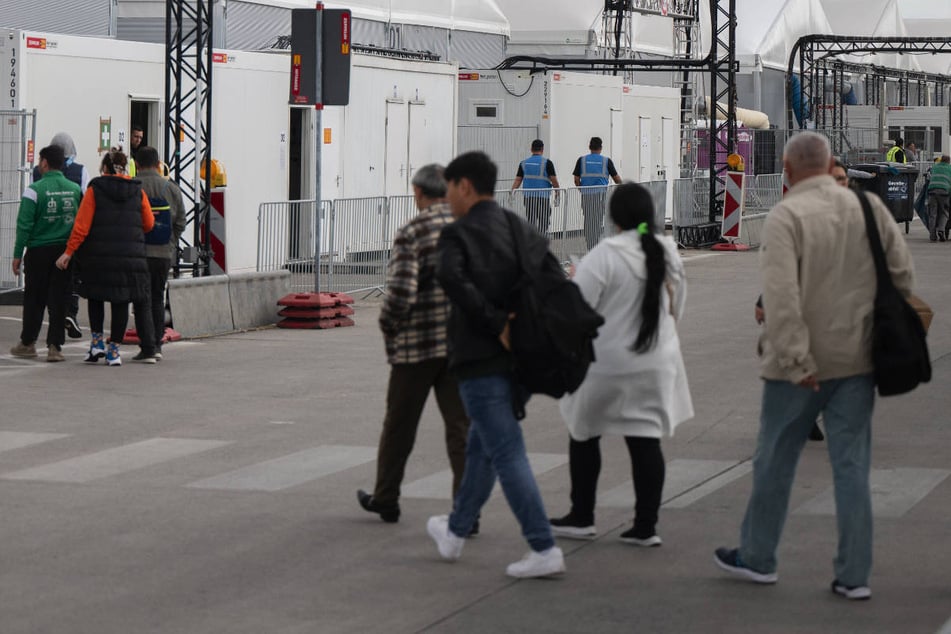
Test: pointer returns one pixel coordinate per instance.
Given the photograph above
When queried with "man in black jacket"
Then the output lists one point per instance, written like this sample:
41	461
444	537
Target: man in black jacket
477	268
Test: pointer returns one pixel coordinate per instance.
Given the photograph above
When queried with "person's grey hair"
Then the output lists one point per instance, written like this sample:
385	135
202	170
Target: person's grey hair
430	180
65	141
808	151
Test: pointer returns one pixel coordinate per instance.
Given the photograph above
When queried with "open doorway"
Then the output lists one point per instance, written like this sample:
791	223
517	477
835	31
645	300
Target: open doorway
144	115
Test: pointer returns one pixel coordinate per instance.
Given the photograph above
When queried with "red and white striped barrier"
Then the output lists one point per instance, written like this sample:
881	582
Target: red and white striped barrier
216	222
733	204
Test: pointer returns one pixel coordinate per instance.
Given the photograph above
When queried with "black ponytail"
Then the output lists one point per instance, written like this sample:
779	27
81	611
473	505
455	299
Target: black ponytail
633	208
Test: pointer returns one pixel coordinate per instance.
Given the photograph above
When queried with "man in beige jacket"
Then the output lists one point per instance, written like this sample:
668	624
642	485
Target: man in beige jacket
819	287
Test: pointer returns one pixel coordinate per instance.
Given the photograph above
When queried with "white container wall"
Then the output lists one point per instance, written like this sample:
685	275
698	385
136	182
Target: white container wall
401	116
500	113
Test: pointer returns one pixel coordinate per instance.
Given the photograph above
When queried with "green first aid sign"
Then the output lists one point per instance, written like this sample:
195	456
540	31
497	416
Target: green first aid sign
105	135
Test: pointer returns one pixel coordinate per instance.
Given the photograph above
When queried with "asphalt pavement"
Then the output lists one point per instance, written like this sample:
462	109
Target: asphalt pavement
215	492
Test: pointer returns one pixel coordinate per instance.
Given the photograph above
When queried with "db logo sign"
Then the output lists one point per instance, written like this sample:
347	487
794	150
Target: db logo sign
36	42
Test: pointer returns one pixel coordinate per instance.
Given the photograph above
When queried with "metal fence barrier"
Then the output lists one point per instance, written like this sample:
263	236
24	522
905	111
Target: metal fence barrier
8	232
356	234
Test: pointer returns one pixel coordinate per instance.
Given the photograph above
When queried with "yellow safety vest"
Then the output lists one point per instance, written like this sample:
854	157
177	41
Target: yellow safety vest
890	157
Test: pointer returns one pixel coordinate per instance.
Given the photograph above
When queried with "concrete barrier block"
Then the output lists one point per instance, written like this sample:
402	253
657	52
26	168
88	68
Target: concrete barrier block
201	306
254	297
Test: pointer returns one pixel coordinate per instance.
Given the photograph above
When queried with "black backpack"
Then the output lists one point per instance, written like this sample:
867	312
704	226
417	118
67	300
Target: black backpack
553	327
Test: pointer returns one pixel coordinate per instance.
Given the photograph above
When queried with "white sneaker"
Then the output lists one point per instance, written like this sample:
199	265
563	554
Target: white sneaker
544	564
449	545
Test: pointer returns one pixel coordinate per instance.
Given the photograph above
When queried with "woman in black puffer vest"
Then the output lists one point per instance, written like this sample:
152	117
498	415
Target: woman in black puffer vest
108	239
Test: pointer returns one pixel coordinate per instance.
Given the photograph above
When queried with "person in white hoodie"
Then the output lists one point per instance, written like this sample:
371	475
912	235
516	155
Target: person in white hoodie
637	387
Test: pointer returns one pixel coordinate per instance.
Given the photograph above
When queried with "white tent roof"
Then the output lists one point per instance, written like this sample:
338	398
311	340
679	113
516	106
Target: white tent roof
768	28
482	16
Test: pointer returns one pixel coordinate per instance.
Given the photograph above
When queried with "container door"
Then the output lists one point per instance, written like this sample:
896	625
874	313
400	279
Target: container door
670	171
616	150
645	159
395	148
421	147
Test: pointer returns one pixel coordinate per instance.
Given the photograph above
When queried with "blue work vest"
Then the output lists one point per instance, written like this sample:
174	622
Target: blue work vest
535	176
594	170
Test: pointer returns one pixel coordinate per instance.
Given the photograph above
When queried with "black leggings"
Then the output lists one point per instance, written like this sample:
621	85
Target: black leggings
647	468
120	319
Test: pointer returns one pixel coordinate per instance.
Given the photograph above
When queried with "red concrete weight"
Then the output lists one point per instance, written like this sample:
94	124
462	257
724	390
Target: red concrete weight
313	324
315	313
308	300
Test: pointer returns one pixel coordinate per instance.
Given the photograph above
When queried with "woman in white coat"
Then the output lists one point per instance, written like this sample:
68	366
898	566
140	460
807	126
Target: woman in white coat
637	387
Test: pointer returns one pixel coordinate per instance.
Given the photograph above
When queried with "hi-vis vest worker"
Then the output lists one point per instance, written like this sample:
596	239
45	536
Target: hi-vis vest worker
536	174
594	170
535	177
897	153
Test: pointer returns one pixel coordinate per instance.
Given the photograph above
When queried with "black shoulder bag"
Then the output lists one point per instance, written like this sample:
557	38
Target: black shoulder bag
899	347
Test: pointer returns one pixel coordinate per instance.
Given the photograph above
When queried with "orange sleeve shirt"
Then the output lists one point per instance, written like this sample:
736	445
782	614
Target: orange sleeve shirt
87	210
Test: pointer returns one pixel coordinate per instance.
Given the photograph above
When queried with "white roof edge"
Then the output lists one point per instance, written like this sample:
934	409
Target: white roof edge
482	16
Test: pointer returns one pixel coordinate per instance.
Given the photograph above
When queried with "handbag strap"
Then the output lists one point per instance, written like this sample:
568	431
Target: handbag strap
875	242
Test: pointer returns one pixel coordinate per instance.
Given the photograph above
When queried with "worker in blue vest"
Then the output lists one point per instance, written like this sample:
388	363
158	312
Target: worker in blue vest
591	174
536	177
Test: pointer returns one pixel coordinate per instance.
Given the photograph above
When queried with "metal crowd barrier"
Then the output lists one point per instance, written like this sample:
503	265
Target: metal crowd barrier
356	234
8	231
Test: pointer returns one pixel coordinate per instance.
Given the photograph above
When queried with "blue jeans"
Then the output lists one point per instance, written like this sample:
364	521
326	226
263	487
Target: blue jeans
495	446
787	416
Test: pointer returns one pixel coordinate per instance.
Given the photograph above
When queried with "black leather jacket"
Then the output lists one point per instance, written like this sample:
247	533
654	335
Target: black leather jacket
478	269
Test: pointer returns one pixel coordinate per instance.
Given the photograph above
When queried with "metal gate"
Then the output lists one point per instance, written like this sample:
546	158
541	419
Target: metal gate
17	146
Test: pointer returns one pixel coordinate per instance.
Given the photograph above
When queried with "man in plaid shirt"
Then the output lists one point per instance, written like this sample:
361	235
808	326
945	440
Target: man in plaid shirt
413	320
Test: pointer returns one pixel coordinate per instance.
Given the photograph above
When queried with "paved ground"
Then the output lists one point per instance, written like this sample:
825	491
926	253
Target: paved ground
214	492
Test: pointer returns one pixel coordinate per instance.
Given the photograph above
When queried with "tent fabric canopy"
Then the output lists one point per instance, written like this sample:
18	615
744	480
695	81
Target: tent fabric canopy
482	16
765	28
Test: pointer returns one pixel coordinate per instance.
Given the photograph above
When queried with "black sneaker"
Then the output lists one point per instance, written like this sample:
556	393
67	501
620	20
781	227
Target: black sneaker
729	560
570	527
72	328
158	352
389	513
856	593
644	539
144	357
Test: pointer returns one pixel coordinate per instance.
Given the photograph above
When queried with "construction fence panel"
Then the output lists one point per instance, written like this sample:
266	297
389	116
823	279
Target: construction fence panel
17	150
8	232
356	234
287	238
359	245
691	202
763	192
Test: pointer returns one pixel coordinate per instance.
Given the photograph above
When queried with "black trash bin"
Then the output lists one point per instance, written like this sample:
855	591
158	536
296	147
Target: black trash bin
895	184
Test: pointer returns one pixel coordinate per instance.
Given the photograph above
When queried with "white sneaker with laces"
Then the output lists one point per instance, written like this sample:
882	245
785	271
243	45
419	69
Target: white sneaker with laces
449	545
534	564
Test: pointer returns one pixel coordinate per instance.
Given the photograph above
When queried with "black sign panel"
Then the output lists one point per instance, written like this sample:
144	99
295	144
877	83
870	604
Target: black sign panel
335	48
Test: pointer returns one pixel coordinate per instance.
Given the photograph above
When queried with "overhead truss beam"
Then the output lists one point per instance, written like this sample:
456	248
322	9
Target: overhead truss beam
720	63
817	55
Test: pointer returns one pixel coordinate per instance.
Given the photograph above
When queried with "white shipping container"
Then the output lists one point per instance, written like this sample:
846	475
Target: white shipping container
401	116
502	112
